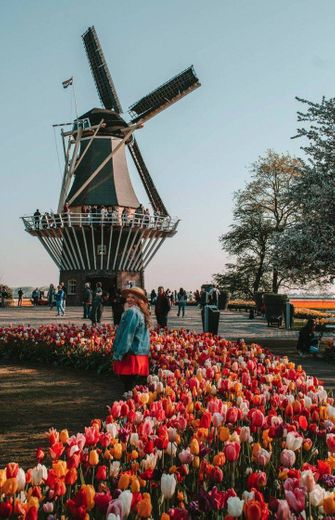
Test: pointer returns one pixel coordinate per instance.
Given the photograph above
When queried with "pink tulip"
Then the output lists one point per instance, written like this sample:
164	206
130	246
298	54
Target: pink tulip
283	511
296	500
232	451
287	458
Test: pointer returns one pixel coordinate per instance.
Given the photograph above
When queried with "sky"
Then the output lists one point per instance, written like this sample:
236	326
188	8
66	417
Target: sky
252	58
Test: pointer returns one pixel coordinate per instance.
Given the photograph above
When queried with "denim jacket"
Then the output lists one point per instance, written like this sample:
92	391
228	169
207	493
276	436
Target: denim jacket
132	335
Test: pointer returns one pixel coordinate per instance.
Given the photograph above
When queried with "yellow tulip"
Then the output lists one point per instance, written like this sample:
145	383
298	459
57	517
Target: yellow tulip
93	458
60	468
117	451
194	447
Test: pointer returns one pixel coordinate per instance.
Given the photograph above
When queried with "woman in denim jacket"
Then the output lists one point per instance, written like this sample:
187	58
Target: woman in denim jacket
132	341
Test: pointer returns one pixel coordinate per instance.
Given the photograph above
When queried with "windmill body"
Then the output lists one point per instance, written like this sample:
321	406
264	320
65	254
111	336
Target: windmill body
100	231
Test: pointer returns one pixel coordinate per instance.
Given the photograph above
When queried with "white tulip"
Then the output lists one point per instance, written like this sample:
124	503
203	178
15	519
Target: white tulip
126	498
113	429
235	506
317	495
293	441
38	474
168	485
114	469
21	479
111	516
331	411
171	449
134	439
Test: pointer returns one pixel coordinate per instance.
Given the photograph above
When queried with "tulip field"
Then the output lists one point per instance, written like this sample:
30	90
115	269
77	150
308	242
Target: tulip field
222	430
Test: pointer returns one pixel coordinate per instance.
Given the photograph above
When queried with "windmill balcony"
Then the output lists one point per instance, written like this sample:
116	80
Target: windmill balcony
101	242
58	221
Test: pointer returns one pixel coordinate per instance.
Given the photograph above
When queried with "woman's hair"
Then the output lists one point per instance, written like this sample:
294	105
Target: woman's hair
144	307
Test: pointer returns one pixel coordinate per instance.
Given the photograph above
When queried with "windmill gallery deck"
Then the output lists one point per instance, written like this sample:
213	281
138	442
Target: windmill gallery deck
100	231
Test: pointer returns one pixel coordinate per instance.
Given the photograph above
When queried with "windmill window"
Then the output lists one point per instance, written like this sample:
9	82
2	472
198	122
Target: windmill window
72	286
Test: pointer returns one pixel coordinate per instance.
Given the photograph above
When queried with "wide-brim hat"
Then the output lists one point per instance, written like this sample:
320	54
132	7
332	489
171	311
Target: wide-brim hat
135	291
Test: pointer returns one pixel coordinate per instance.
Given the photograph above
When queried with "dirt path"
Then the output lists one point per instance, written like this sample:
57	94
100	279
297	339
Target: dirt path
34	398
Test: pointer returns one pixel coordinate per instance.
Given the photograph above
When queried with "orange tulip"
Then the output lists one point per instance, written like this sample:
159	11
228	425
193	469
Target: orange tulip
223	433
144	507
2	477
219	459
165	516
71	476
135	485
329	504
63	436
10	486
89	493
124	481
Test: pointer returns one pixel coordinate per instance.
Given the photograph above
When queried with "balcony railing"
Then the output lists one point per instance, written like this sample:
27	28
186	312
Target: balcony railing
64	220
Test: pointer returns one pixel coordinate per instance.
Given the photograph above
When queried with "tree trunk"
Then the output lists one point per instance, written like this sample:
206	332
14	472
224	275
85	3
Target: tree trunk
275	283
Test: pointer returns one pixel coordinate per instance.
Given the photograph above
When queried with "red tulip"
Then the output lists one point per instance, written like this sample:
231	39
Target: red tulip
6	509
101	473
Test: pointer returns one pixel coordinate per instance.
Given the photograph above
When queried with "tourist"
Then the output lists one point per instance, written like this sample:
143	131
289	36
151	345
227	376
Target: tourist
62	284
87	300
132	341
181	299
51	296
59	298
37	219
153	297
118	301
19	300
35	296
308	342
97	304
162	307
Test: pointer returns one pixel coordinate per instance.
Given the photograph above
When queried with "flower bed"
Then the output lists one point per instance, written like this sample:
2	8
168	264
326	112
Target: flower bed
222	430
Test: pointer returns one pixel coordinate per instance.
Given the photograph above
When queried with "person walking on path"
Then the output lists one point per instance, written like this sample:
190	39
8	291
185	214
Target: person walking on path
59	298
51	296
19	300
97	305
118	302
182	299
87	301
131	345
162	307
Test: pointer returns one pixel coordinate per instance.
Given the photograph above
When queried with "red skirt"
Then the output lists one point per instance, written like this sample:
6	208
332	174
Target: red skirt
132	365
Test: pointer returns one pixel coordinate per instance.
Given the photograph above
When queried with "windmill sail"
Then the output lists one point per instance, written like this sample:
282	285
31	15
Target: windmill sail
100	72
145	176
165	95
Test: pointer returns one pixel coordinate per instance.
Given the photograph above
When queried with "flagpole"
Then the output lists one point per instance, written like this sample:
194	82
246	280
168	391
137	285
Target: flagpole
75	99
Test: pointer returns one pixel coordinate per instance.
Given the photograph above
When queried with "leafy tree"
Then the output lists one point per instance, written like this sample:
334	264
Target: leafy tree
262	211
308	247
239	279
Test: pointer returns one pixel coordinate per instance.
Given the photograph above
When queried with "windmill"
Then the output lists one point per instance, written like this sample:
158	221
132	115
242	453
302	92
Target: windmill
100	231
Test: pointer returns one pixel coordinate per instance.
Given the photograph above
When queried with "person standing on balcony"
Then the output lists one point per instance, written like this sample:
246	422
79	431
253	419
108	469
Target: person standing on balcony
131	345
162	307
37	219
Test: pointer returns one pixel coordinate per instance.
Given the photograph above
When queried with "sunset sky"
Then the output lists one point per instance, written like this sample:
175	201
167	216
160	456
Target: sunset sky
252	58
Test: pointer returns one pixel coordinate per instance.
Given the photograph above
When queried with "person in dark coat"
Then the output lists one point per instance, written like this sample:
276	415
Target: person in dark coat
97	304
308	342
162	307
118	301
87	300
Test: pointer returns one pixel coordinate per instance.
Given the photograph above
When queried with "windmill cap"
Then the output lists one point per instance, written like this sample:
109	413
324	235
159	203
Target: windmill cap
135	291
